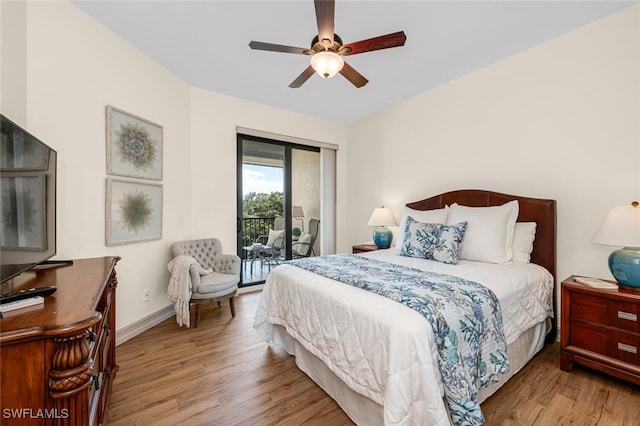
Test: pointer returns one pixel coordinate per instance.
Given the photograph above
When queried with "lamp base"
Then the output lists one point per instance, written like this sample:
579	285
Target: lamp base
382	237
624	264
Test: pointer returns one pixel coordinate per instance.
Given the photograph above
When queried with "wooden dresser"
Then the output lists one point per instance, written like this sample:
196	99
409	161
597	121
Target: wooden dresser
601	330
58	359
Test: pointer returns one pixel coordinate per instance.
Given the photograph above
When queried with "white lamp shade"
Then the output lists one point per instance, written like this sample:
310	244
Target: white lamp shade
620	228
297	211
327	64
382	216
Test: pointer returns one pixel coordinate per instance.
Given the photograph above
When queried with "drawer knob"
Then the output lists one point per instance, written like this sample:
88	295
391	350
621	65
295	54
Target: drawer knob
627	316
627	348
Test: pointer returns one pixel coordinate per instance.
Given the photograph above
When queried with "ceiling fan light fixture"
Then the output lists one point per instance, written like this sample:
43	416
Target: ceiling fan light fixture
327	64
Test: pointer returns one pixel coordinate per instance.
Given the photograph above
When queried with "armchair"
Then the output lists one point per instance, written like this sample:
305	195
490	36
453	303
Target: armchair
220	284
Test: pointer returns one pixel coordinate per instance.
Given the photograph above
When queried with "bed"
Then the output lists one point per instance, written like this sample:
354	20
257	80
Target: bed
377	358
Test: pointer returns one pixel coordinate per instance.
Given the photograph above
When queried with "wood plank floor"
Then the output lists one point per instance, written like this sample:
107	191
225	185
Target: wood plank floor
222	373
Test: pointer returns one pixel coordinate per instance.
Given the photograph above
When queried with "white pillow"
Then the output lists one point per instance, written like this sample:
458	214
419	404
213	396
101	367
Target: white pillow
489	232
524	234
425	216
273	236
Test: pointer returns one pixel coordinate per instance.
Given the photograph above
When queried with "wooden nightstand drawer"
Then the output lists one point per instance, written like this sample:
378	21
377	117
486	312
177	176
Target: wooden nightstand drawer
625	347
589	308
624	315
590	337
614	313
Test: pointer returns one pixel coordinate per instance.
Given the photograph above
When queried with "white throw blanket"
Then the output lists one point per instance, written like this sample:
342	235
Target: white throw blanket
180	288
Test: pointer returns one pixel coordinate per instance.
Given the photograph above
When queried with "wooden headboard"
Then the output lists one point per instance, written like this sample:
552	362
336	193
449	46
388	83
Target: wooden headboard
540	211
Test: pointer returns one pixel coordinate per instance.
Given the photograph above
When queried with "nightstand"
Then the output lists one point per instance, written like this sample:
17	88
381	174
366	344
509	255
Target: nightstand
601	330
362	248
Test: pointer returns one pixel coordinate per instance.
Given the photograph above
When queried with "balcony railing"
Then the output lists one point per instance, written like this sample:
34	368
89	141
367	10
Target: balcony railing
253	227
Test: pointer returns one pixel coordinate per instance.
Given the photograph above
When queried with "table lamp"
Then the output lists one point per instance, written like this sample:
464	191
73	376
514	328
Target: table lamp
621	227
298	213
382	217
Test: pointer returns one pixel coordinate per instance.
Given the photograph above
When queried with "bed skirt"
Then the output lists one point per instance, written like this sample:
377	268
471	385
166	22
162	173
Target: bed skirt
364	411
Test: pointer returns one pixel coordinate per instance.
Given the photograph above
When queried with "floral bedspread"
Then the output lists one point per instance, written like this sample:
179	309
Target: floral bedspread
465	318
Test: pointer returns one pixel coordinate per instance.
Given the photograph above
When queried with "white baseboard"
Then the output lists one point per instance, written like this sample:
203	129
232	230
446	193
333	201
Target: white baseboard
132	330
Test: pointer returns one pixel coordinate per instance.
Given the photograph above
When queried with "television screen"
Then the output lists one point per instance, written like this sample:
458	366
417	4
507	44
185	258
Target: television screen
27	200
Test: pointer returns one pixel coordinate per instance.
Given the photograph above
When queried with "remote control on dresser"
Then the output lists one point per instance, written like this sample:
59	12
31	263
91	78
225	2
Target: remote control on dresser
27	293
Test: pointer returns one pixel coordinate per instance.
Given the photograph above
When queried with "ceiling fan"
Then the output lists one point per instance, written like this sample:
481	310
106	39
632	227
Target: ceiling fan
327	49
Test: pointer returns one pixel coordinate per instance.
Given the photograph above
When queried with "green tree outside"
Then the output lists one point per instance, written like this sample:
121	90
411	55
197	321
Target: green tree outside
263	205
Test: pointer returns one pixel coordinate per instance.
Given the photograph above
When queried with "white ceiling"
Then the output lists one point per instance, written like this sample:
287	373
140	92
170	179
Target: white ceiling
206	44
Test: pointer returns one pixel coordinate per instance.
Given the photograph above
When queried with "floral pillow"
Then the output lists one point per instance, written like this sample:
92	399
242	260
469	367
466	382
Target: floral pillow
433	241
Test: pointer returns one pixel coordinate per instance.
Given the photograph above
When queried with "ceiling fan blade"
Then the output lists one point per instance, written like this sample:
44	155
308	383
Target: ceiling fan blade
259	45
300	80
353	76
375	43
325	13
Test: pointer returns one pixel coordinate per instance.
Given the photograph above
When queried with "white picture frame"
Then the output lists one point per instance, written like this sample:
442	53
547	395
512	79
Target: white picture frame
134	146
133	212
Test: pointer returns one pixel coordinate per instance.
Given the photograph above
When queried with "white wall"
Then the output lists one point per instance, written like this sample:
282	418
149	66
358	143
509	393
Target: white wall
13	59
61	82
561	121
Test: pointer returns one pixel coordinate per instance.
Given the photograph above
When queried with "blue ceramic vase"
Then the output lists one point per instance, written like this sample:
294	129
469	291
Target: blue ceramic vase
382	237
624	264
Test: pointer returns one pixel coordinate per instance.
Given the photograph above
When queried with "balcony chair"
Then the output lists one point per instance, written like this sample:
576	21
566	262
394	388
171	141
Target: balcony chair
304	246
220	284
275	240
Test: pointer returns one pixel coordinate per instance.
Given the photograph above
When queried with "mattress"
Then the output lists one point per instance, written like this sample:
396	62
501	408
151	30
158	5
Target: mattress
383	350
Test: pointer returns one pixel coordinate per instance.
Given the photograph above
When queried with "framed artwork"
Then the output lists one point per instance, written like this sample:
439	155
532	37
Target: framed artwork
134	212
23	221
134	146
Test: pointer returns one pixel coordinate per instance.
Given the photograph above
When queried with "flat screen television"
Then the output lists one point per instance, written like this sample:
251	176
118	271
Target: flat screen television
27	200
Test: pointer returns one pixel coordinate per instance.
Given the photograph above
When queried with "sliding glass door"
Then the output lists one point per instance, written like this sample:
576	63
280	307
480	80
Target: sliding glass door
278	204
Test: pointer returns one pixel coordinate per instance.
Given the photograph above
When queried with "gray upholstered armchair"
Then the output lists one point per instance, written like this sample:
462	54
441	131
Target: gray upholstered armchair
219	285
